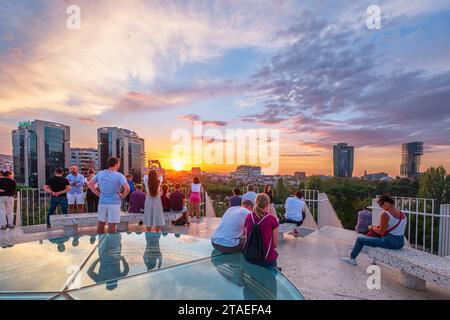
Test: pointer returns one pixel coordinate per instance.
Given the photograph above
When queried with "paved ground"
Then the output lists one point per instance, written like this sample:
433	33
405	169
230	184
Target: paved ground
312	263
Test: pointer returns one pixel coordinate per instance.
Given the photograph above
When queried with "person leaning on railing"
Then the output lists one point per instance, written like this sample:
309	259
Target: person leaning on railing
390	234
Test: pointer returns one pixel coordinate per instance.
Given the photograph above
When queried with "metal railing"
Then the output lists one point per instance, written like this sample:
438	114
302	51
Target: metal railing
444	231
311	198
427	230
32	206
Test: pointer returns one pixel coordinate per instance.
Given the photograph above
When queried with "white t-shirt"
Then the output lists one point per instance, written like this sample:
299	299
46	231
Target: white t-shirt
231	227
250	196
196	187
294	207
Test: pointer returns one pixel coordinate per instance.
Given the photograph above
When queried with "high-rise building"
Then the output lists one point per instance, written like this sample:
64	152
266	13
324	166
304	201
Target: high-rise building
411	157
300	176
124	144
343	160
39	147
84	159
196	171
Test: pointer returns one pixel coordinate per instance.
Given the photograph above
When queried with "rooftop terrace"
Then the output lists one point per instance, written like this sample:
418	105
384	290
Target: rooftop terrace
311	263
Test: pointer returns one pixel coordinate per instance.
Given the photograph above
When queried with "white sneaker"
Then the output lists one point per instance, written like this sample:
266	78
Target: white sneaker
350	261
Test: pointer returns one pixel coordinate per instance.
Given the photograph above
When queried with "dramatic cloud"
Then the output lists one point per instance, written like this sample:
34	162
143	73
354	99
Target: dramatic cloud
121	49
213	123
336	85
311	69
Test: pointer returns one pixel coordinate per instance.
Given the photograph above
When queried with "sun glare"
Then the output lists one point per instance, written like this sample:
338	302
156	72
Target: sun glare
177	164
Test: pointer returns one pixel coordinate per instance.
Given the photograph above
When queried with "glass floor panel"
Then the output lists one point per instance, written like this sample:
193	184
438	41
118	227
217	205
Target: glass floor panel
134	266
120	255
226	277
43	266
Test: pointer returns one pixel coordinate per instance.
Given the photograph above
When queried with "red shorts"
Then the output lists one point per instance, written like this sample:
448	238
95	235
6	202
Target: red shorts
195	197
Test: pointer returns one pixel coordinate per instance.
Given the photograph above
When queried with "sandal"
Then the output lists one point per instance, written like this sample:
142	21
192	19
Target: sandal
11	226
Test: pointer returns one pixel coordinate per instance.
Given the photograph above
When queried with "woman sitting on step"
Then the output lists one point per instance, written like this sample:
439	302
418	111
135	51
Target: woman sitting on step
390	234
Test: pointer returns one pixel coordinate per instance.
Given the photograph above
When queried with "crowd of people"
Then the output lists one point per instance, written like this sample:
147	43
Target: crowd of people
109	191
249	225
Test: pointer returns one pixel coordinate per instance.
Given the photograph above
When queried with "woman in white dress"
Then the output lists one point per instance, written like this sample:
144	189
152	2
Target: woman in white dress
153	211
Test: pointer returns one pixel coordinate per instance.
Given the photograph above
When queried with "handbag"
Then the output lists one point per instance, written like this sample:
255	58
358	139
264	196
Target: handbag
373	234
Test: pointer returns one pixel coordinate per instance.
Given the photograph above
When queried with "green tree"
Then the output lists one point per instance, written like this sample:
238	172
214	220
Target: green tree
435	184
315	183
302	186
281	192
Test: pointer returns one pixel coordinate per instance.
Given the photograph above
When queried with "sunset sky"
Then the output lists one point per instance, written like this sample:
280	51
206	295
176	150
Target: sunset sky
309	68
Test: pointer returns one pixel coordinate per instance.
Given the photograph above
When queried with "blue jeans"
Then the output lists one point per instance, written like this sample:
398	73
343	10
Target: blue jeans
389	242
54	202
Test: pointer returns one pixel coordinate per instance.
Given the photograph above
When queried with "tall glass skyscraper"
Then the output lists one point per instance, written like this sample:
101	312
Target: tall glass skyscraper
39	147
411	158
343	160
124	144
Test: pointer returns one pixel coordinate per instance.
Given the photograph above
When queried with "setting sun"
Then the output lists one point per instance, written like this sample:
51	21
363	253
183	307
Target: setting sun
177	164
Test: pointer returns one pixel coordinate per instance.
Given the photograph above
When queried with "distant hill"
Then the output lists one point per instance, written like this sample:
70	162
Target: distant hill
6	157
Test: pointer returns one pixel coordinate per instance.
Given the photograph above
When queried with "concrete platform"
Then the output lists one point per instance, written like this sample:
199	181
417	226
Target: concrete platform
311	263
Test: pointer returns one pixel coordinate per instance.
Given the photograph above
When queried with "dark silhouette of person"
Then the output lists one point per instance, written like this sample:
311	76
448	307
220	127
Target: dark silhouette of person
152	254
60	242
110	259
258	283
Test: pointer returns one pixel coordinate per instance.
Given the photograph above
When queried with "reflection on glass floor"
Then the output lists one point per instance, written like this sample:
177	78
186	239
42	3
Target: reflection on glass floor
134	266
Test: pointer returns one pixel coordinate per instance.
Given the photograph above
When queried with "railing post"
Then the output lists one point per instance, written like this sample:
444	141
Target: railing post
19	209
444	230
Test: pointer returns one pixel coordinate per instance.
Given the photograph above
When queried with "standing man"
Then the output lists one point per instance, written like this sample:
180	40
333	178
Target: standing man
57	186
110	183
76	195
7	192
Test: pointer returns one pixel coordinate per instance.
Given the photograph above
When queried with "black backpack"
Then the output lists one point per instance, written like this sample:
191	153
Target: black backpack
254	248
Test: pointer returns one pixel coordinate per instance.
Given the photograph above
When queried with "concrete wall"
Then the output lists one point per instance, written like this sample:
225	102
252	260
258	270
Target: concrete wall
326	215
309	220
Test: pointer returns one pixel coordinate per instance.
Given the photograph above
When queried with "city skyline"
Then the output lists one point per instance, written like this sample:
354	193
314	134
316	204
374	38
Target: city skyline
314	71
342	167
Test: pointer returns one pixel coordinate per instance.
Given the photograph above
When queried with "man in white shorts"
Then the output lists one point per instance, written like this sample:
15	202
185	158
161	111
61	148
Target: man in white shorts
75	197
110	182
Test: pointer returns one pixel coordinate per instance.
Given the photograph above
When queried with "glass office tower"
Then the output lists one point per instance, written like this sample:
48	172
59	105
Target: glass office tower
124	144
411	158
343	160
39	147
